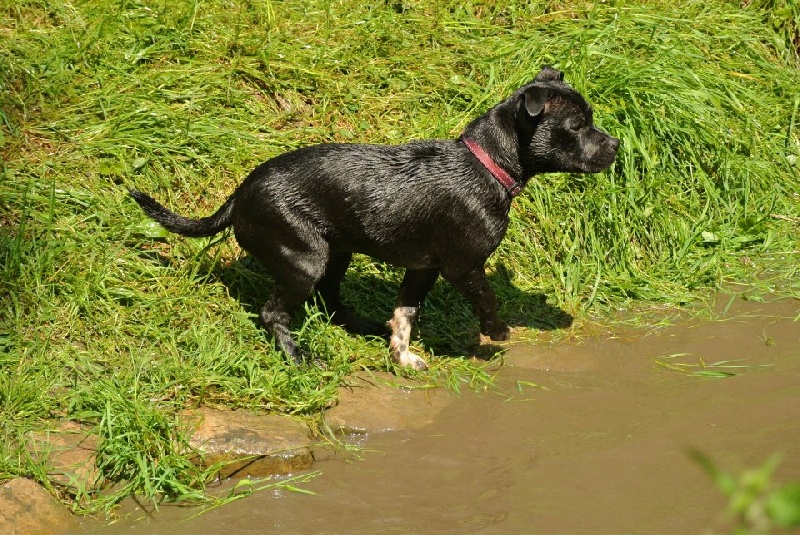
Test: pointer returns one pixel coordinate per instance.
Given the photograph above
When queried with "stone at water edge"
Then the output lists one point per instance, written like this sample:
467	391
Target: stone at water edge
71	450
254	445
28	509
380	402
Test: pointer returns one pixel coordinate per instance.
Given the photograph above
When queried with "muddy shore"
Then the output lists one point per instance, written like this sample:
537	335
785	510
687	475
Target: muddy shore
601	426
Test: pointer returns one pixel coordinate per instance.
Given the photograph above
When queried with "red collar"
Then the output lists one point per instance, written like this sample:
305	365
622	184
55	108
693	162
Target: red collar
512	186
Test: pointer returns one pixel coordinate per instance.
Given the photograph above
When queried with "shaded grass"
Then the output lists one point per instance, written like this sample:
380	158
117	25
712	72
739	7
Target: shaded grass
105	320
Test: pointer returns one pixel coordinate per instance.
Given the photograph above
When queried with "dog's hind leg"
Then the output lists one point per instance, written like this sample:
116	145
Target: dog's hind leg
415	286
329	289
296	268
275	317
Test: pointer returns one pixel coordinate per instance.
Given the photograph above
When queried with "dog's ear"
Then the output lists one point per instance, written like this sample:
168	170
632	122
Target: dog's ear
549	74
535	97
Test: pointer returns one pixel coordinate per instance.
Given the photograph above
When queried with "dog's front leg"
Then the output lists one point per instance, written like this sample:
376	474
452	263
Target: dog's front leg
473	285
400	324
415	286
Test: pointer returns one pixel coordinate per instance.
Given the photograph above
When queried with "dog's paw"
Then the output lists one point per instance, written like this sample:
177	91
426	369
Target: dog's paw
499	333
320	364
409	360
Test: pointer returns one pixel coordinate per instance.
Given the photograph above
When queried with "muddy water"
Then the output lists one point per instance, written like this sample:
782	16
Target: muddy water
598	447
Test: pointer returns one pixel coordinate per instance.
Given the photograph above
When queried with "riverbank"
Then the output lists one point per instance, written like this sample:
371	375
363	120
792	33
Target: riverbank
113	327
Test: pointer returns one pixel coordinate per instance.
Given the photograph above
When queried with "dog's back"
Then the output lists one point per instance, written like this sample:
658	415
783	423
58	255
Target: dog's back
397	203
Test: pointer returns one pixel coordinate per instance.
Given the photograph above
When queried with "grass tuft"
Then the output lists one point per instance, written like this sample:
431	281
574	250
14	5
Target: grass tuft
701	368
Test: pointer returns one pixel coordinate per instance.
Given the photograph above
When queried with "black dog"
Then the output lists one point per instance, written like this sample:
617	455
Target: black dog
434	207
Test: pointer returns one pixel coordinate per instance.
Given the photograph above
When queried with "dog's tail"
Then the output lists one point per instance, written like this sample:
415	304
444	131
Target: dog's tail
192	228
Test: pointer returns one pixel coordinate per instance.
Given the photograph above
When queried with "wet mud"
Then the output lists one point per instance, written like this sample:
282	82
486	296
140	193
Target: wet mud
585	437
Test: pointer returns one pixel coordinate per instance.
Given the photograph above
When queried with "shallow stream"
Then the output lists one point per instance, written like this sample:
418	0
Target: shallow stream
585	437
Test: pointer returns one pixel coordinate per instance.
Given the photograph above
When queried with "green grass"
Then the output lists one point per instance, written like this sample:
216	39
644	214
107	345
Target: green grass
698	367
756	504
106	321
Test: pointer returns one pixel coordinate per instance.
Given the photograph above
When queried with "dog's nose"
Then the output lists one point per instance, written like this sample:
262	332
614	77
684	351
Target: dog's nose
614	143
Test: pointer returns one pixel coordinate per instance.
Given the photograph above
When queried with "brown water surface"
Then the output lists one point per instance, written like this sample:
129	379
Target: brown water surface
599	447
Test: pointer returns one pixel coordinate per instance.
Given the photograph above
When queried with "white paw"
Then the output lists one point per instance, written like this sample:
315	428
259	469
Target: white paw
410	360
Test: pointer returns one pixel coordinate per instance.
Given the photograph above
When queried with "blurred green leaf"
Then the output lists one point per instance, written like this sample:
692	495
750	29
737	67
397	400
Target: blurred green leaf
783	506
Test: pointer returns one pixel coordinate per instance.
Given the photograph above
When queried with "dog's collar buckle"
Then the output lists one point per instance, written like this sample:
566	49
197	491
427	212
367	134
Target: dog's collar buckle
501	175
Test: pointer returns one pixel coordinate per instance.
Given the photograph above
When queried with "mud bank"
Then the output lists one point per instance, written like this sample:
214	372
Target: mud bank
587	437
243	444
579	437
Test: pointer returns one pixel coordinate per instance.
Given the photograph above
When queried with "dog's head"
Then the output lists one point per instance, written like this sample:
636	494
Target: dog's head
544	127
556	129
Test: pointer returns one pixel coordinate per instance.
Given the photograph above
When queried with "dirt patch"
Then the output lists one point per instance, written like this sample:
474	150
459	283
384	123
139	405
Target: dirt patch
70	449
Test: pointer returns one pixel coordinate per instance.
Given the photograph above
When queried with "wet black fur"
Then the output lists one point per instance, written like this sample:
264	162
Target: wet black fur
428	206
